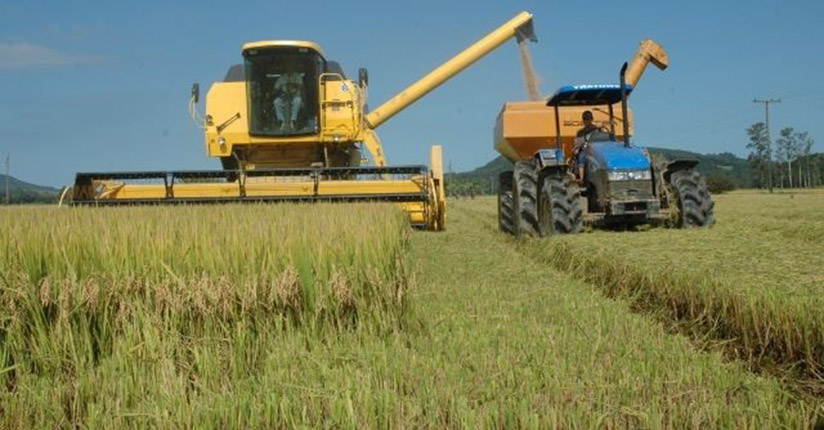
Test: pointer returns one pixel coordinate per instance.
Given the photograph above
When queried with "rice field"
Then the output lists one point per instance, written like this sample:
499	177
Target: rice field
340	316
754	281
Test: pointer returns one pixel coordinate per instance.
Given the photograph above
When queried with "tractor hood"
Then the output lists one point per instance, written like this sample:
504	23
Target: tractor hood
616	156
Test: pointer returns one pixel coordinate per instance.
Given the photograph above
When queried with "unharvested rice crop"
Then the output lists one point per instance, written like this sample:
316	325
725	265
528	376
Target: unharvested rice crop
119	302
313	262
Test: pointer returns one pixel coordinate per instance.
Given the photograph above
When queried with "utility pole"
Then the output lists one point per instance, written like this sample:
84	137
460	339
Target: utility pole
8	171
769	139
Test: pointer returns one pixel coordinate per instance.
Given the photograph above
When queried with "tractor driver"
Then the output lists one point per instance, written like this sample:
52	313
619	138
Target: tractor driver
289	99
588	127
580	142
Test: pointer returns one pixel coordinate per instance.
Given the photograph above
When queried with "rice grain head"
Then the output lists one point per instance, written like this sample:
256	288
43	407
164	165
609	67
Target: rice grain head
287	288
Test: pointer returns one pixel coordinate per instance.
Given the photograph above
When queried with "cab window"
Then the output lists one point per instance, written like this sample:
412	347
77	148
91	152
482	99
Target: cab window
282	90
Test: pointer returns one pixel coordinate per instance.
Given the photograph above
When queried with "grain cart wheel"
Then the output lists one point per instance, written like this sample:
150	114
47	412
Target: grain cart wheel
692	199
560	211
506	209
525	180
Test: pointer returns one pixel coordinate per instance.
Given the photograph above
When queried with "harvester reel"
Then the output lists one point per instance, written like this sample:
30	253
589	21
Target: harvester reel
692	200
560	211
506	208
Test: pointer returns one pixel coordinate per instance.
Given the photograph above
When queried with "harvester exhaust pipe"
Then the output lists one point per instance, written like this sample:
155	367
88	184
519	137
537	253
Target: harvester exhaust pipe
624	104
648	52
520	26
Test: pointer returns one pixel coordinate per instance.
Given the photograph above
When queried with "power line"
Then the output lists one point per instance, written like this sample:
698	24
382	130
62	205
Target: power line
769	139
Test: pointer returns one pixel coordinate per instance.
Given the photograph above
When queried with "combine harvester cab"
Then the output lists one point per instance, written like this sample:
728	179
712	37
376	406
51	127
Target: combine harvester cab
561	181
288	125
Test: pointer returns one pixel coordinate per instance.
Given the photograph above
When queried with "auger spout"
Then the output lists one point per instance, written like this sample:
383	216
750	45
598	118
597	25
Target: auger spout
648	52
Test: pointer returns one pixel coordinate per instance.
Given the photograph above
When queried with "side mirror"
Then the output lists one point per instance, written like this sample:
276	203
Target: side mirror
196	92
363	77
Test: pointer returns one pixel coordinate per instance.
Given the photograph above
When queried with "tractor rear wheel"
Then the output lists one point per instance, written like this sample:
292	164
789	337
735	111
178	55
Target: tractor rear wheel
526	199
506	208
692	199
560	211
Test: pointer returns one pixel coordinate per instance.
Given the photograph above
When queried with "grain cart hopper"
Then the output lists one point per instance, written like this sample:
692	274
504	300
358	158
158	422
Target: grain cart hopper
288	125
619	183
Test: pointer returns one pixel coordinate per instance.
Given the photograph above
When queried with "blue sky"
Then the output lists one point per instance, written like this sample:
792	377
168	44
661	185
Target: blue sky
95	86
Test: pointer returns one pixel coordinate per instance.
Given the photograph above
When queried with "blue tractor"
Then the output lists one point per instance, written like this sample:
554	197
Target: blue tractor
603	180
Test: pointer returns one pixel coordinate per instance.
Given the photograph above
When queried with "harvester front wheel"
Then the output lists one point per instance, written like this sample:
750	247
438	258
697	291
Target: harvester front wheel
506	208
560	211
525	180
693	201
230	163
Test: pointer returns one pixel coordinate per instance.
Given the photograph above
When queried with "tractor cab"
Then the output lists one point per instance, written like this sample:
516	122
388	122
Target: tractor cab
282	87
589	95
615	176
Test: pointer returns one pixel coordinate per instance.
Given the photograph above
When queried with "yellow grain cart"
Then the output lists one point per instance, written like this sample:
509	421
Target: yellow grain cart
288	125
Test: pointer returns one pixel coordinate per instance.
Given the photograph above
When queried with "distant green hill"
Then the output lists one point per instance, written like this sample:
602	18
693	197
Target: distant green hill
724	164
482	180
24	192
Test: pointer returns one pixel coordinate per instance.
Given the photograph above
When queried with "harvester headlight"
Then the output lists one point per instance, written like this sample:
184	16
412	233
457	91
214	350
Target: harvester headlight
221	141
630	175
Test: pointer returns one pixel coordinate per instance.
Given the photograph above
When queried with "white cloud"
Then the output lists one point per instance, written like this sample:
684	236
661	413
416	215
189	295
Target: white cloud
22	55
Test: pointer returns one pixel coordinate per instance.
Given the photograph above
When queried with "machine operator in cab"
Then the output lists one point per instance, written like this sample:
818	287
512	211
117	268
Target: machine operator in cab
588	127
580	141
289	101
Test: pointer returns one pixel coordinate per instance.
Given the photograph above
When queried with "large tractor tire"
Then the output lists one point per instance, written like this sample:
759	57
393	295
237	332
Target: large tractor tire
560	211
692	199
506	203
525	181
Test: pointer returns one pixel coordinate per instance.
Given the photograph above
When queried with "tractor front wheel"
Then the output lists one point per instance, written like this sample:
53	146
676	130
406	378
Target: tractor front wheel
560	211
693	201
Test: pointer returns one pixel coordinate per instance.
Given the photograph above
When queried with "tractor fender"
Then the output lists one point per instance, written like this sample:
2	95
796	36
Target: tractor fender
551	161
678	165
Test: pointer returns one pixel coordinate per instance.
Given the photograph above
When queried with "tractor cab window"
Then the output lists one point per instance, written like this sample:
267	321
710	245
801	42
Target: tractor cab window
282	90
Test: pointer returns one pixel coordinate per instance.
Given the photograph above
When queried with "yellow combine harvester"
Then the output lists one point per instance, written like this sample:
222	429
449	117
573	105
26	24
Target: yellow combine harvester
288	125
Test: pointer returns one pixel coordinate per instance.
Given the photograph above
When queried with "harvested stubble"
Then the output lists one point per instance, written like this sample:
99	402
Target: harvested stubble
754	280
518	344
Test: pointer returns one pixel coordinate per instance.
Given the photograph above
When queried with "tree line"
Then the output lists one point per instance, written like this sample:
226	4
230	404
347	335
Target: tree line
788	163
